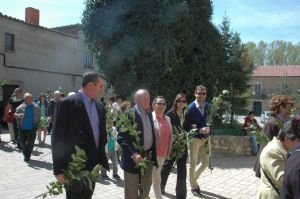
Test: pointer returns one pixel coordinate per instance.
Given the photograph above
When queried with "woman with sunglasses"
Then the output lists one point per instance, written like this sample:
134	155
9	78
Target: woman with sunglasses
164	139
176	114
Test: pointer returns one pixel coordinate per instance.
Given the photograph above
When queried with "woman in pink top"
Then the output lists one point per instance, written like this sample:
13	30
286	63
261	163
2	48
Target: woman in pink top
163	133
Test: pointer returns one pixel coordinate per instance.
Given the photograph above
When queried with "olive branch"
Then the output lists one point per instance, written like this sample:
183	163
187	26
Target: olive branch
214	107
75	171
181	139
261	137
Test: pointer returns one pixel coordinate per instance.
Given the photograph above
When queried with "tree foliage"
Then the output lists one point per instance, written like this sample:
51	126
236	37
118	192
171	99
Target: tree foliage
164	46
274	53
238	68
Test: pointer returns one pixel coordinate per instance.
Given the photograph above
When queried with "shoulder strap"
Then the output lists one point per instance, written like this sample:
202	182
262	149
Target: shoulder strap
270	181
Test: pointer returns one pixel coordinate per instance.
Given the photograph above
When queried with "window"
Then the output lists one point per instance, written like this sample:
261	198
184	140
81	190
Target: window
9	41
284	88
88	60
257	89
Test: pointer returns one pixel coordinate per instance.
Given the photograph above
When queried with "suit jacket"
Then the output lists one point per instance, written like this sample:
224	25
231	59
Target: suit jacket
194	116
126	141
71	127
291	179
157	132
272	161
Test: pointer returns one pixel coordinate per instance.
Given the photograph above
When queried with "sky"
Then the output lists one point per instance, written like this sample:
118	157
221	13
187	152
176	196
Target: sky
255	20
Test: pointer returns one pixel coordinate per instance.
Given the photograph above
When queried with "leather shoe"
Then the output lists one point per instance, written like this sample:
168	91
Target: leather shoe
197	192
116	176
104	176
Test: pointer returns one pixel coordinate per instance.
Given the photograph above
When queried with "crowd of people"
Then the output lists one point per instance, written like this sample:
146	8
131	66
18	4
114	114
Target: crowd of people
80	119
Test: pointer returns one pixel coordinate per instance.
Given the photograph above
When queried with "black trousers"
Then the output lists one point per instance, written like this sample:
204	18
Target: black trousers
16	132
79	190
26	140
181	175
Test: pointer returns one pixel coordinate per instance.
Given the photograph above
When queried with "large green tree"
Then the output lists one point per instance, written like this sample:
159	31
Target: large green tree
165	46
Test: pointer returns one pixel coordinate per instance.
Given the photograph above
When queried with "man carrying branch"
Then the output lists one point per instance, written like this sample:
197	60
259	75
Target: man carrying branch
80	120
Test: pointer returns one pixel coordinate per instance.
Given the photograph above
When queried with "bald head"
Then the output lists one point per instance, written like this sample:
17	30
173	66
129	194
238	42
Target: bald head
142	99
28	99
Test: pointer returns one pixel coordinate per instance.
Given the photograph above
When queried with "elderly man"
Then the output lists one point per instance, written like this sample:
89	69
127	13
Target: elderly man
130	156
28	118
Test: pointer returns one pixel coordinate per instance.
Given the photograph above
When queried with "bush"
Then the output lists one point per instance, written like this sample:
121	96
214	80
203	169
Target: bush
227	129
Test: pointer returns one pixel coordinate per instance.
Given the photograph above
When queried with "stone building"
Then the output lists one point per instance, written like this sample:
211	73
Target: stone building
268	81
38	59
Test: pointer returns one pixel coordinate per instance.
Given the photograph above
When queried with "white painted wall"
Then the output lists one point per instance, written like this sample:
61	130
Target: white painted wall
41	49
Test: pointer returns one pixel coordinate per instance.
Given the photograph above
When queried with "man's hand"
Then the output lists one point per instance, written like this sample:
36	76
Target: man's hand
205	130
137	158
21	115
60	178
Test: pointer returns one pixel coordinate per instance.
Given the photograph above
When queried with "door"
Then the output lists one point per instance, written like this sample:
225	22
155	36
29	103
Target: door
257	108
8	90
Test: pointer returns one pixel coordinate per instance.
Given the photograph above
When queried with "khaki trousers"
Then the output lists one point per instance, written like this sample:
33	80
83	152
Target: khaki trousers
156	177
197	149
132	182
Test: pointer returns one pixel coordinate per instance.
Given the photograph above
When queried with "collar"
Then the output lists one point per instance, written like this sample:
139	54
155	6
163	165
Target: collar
85	97
197	105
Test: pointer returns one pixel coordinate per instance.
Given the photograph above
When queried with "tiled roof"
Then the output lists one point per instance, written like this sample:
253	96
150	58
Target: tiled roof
277	71
69	29
41	27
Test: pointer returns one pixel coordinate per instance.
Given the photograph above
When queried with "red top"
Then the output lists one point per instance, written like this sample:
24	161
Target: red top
9	116
164	138
249	122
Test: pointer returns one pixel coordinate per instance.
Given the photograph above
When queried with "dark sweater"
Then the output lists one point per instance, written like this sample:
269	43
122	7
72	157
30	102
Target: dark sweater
194	116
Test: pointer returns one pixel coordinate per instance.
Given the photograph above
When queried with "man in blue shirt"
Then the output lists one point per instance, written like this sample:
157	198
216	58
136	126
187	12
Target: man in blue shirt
28	118
196	118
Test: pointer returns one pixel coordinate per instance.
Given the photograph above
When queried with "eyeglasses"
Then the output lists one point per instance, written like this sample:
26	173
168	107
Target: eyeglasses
161	103
201	93
181	101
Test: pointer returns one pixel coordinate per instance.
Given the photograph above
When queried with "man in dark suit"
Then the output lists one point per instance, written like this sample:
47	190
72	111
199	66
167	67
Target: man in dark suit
80	120
196	117
130	156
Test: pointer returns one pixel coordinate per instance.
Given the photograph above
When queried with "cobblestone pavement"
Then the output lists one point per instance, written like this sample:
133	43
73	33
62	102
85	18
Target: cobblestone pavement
232	177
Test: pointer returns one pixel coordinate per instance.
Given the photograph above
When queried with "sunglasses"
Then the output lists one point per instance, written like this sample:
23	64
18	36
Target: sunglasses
201	93
161	103
181	101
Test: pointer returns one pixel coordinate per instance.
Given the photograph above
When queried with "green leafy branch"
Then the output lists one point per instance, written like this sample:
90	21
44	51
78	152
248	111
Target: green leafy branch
261	138
111	113
214	107
126	124
181	139
75	171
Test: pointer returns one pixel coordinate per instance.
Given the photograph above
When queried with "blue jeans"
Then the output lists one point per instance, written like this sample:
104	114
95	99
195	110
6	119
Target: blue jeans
27	138
254	145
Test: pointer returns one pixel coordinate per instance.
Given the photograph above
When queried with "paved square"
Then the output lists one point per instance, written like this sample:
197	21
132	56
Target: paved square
232	177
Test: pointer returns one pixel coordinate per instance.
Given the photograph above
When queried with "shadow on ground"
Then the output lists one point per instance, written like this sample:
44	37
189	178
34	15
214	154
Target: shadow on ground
37	164
119	183
8	147
210	195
